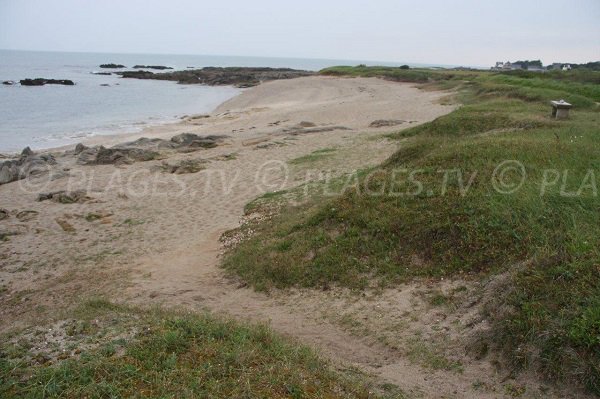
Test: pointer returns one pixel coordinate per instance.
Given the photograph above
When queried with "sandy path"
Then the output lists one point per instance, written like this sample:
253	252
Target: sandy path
157	240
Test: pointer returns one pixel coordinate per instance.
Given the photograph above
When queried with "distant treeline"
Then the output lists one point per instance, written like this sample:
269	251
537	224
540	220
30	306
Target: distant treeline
594	66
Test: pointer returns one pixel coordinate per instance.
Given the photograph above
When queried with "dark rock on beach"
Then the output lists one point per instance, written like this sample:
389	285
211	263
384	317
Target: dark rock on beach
157	67
143	149
28	164
386	123
116	155
183	167
42	82
112	66
212	76
65	197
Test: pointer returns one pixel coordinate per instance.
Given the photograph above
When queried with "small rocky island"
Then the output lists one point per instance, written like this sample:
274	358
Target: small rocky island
112	66
214	76
42	82
157	67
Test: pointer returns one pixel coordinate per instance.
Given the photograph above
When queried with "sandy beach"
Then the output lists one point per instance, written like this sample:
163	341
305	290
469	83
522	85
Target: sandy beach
150	233
146	237
171	213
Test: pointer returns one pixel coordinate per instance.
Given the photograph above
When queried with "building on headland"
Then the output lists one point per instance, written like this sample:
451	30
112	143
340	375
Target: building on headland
557	66
506	66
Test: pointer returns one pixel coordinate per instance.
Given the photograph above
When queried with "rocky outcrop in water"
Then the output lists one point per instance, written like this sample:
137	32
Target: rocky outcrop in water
157	67
9	82
112	66
212	76
28	164
42	82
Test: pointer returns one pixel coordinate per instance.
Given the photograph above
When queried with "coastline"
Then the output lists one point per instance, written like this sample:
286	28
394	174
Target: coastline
151	130
148	232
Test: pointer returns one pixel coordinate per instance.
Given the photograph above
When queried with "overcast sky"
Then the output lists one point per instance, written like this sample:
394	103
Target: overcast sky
456	32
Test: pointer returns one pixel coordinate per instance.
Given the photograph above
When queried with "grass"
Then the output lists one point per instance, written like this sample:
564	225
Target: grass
434	210
313	157
169	355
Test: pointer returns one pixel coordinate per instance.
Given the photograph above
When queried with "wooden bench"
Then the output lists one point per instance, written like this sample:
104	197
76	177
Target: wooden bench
560	109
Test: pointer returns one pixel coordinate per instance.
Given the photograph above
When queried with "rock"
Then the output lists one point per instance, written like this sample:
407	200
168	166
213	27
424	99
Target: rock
105	85
240	77
100	215
203	143
112	66
144	142
28	164
4	214
10	171
306	124
184	167
184	138
79	148
386	123
27	152
66	226
9	82
159	67
87	156
42	82
26	216
116	155
64	197
194	141
298	130
14	231
137	74
102	73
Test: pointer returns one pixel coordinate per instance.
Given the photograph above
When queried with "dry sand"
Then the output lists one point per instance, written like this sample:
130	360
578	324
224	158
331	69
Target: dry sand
153	238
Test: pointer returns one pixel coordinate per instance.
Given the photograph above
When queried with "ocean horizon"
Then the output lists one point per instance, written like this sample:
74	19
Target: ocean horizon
54	115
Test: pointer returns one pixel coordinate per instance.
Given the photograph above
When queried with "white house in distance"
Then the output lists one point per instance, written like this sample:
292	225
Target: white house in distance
506	66
557	66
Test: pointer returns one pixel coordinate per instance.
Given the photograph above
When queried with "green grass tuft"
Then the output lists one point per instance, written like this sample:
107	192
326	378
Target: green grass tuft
177	355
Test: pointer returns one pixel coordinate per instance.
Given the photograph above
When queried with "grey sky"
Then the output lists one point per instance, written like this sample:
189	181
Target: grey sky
466	32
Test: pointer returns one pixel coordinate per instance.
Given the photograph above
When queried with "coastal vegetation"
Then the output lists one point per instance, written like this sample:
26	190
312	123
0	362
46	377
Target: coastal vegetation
129	352
495	191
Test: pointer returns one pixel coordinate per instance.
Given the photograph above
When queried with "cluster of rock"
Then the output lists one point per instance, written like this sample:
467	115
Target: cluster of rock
118	155
112	66
65	197
386	122
158	67
213	76
120	66
42	82
28	164
183	167
143	149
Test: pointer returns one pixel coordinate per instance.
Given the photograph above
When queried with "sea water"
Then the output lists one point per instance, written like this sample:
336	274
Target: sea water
54	115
